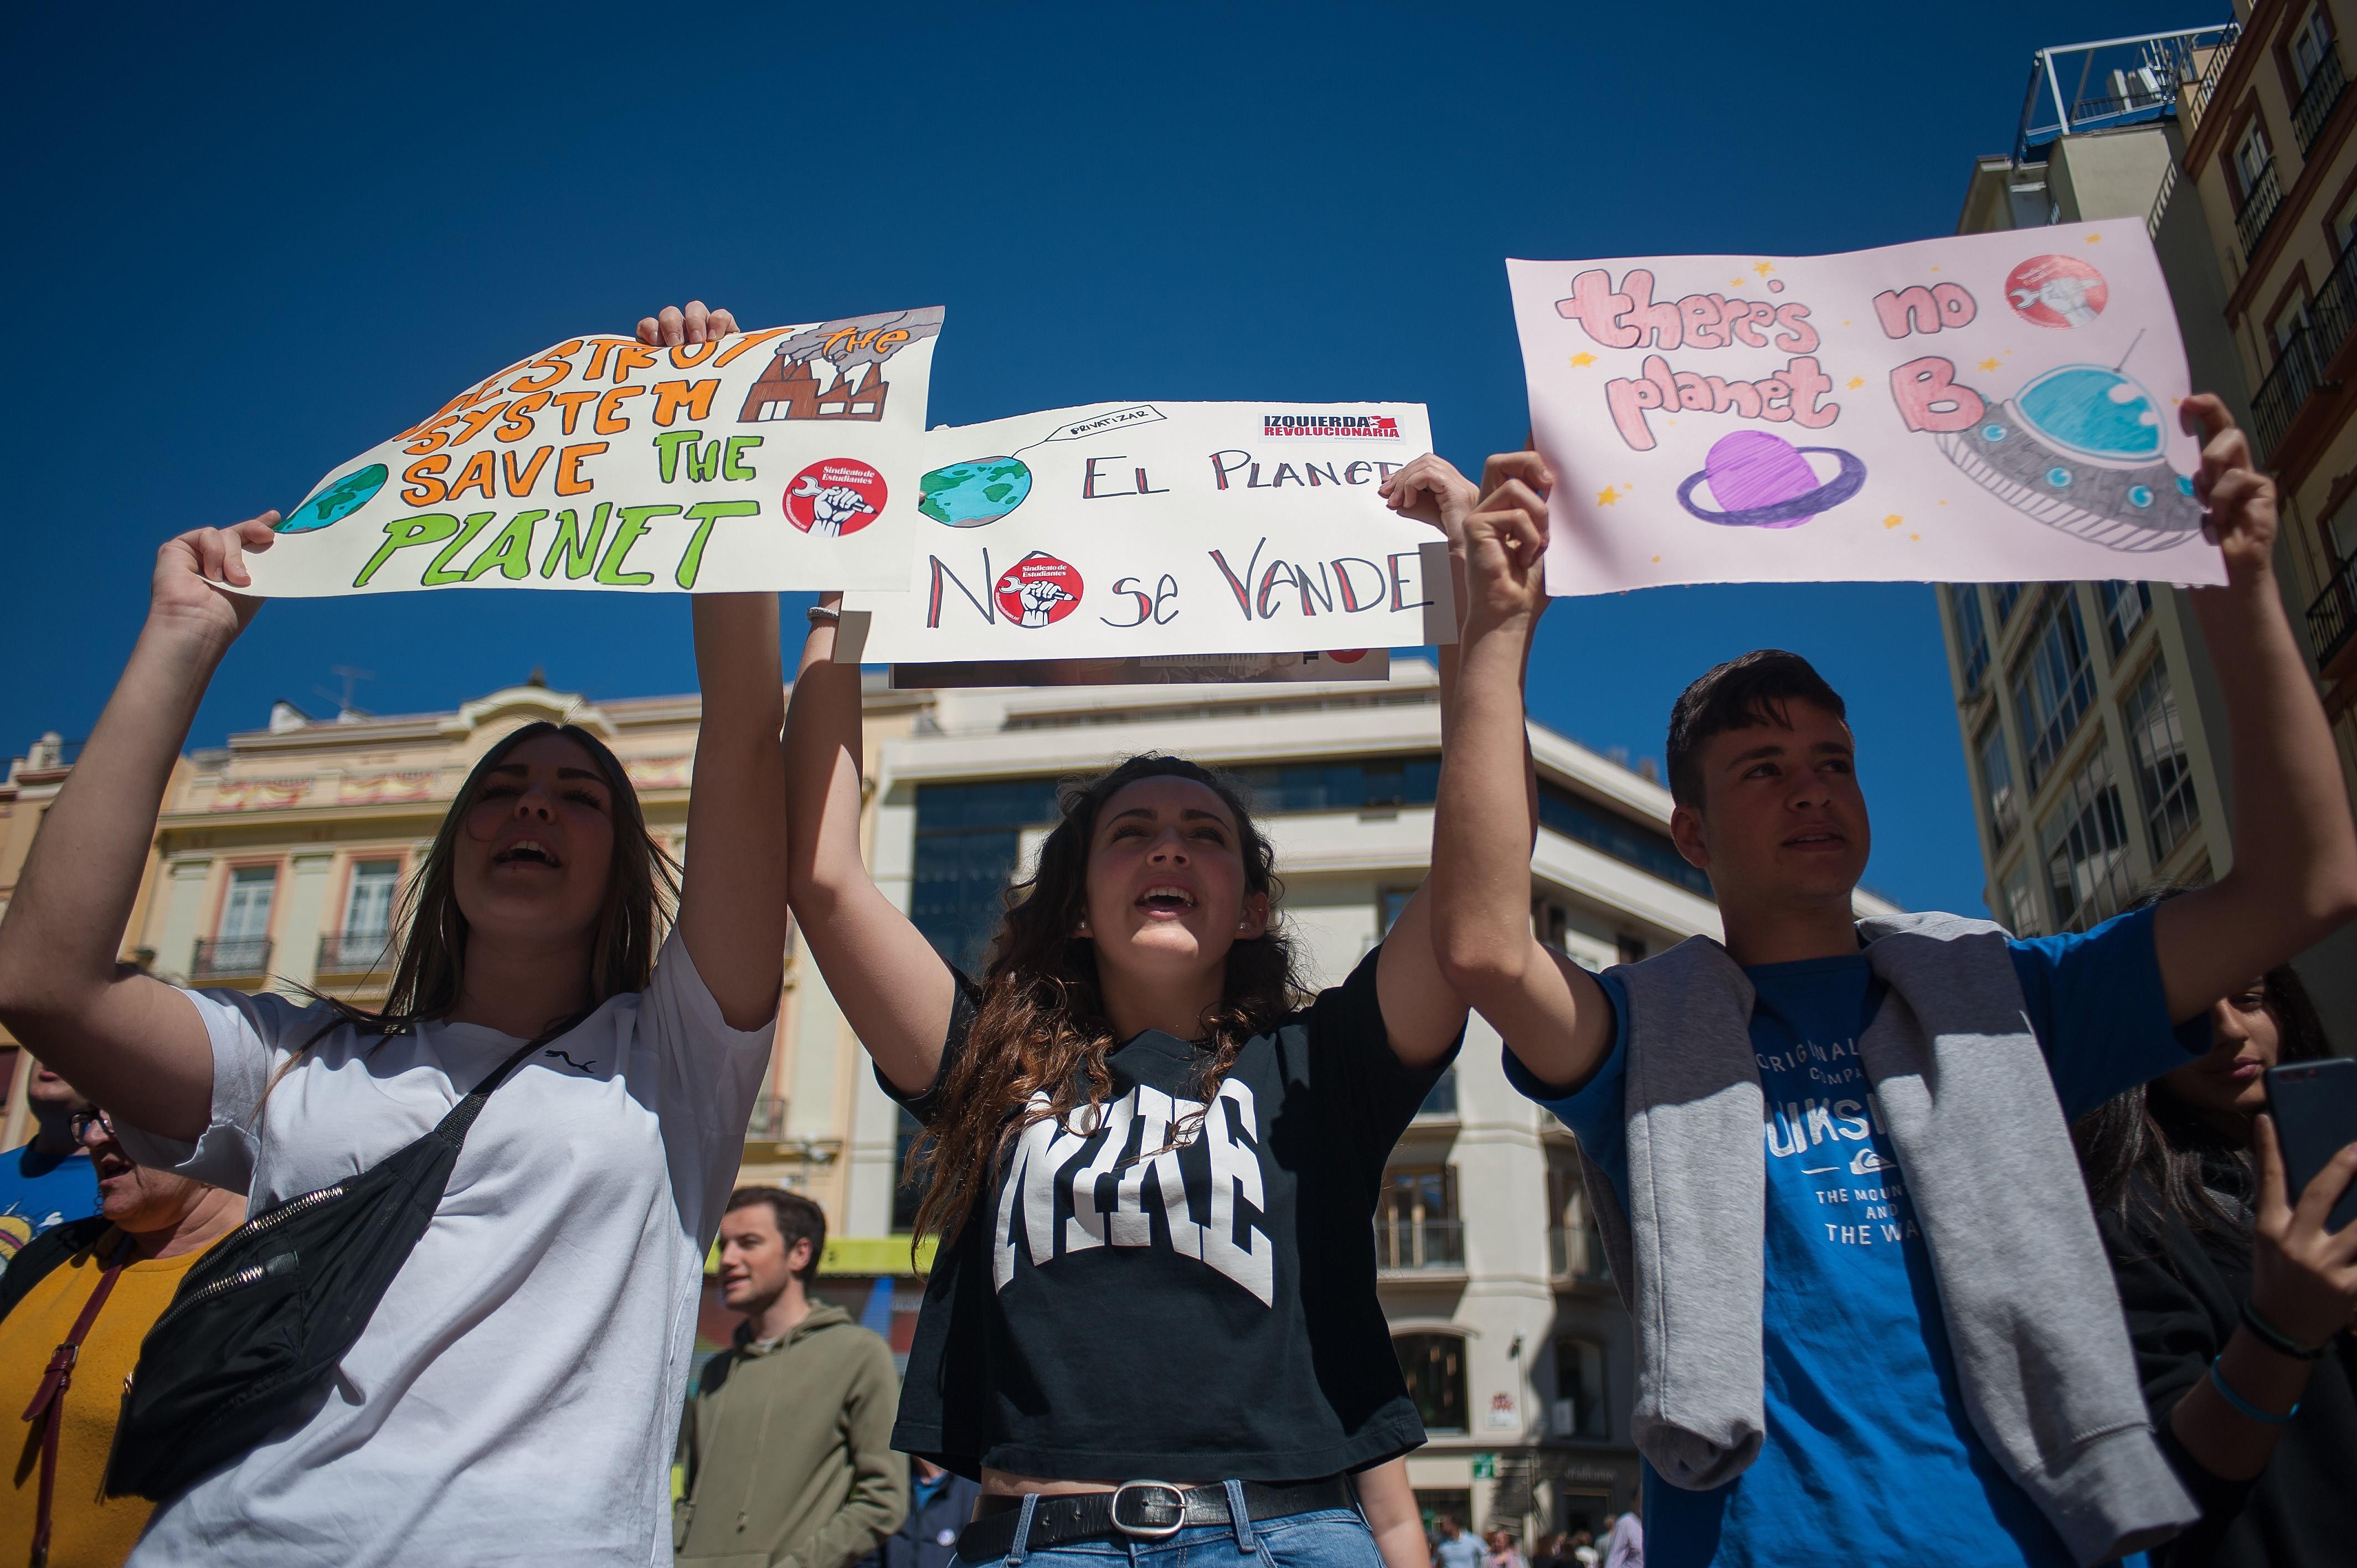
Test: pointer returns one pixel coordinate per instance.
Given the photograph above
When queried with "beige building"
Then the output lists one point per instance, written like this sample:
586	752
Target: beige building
279	858
2093	723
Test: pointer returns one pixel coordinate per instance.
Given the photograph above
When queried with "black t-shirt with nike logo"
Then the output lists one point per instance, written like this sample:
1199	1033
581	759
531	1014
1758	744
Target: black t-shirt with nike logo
1128	1305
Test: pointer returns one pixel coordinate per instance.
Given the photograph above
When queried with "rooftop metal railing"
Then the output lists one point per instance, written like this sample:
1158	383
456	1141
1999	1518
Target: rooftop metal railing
2118	81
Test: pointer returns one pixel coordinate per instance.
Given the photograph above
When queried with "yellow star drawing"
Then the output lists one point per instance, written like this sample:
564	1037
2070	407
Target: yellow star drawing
1738	282
1856	382
1935	269
1916	537
2093	238
1607	496
1762	268
1657	560
1943	503
1893	520
1582	360
1989	364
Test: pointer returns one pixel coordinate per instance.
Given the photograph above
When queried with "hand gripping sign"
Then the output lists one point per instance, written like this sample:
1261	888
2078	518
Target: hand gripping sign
1127	531
766	460
1989	408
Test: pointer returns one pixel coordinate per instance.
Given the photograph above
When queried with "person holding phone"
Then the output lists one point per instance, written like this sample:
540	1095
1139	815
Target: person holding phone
2239	1299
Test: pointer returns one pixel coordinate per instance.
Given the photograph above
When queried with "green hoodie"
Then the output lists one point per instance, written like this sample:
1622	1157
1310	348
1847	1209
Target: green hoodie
789	1453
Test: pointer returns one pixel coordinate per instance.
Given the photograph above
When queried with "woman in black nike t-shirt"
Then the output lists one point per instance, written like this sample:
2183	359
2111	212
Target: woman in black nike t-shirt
1151	1164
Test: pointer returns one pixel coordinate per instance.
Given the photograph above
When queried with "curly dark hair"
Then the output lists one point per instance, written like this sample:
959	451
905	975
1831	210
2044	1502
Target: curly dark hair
1040	1038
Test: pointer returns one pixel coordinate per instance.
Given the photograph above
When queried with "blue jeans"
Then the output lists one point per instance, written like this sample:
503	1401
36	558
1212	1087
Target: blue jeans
1324	1538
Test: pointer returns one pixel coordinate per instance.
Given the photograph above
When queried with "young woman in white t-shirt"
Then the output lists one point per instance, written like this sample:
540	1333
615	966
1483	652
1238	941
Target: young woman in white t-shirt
515	1396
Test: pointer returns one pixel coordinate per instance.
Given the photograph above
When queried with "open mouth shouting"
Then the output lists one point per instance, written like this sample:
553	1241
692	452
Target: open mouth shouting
1166	901
1818	840
526	850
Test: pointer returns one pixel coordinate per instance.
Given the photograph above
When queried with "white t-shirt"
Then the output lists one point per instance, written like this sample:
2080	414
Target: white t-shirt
516	1397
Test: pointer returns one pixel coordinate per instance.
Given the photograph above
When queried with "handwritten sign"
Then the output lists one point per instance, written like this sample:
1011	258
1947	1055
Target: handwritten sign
1986	408
781	458
1126	529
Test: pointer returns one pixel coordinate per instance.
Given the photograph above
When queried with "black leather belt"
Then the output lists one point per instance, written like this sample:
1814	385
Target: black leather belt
1140	1510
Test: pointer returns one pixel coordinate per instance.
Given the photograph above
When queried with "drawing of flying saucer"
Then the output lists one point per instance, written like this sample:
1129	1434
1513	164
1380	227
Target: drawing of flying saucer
1759	480
2082	449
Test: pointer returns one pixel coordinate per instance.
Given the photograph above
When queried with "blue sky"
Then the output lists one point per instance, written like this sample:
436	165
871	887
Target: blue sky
252	243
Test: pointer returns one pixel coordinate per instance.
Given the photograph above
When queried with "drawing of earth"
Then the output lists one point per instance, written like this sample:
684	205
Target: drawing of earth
336	502
970	494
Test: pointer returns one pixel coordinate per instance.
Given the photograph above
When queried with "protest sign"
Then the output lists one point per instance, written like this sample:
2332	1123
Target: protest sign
1123	529
1993	407
781	458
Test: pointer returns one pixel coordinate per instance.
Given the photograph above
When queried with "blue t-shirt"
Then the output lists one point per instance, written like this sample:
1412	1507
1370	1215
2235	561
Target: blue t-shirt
1465	1552
38	1190
1870	1455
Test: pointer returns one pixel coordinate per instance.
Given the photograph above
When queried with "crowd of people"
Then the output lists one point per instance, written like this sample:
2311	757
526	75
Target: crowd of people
1941	1246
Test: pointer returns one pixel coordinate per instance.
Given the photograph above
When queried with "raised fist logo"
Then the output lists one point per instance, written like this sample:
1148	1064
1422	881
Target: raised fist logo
834	498
1040	591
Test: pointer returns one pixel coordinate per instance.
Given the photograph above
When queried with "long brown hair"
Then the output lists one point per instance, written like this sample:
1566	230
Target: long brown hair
430	970
1041	1028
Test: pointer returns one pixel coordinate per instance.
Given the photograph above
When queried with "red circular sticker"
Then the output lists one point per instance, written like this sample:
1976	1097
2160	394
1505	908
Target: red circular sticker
1040	591
2057	290
839	496
1347	655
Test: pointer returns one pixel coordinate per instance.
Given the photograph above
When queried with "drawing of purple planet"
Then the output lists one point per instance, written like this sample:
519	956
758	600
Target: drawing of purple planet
1759	480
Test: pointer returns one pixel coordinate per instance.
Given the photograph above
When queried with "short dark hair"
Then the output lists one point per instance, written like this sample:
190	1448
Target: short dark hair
1750	690
799	1219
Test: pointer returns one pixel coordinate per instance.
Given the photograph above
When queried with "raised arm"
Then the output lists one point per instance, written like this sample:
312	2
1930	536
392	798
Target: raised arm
732	908
124	1039
2294	873
1551	1012
892	986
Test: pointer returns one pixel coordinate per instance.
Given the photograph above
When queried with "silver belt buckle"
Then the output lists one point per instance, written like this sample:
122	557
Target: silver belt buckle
1151	1532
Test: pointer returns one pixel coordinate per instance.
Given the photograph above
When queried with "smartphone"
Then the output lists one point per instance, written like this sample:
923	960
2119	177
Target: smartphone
2315	1108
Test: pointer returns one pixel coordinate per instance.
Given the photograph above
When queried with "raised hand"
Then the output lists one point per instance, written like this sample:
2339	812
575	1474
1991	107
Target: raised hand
2240	499
1432	491
674	325
1506	539
193	570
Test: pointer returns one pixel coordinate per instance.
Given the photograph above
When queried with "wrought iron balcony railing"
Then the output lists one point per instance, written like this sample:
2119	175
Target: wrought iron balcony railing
1577	1251
2318	100
355	952
2332	618
2300	365
1419	1246
232	956
2260	205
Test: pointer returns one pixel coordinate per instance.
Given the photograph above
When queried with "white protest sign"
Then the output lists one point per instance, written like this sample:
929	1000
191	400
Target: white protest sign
1985	408
1151	670
1123	530
781	458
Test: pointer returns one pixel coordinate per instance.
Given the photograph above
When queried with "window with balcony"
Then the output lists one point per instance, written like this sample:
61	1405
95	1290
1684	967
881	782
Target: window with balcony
360	943
2164	777
2085	841
2124	606
1997	784
2052	684
2316	66
240	944
1434	1367
1579	1408
1972	634
2255	174
1574	1245
1416	1228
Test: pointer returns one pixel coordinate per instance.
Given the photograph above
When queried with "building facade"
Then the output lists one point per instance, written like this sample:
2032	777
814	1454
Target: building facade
279	861
2271	145
2093	722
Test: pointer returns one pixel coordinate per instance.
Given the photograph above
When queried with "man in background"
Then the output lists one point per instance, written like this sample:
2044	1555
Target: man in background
49	1180
1625	1547
98	1284
787	1444
939	1507
1455	1549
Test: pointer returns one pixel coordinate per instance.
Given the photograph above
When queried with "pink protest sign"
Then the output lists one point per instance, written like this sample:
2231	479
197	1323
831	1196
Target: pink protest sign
1985	408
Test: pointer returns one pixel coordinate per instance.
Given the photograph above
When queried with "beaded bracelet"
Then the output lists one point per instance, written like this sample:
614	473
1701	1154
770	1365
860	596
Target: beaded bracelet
2218	1380
2275	1338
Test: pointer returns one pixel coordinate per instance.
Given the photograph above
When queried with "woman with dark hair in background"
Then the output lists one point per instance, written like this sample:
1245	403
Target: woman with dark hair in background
515	1395
1151	1165
2239	1300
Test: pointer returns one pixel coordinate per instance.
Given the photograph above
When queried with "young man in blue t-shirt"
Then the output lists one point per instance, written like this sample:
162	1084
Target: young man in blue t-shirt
1869	1447
50	1179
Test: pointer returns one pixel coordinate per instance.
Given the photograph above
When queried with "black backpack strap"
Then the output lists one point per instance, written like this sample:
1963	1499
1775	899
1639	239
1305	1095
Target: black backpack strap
452	1128
43	1252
